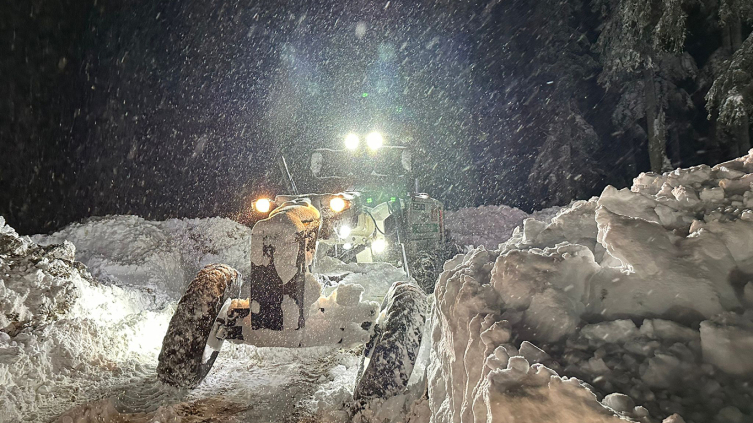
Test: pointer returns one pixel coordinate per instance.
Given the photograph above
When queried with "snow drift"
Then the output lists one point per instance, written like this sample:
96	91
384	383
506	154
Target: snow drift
163	256
643	294
62	334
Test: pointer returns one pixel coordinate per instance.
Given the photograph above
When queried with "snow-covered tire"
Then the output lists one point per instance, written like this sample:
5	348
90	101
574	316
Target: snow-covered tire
391	353
425	269
181	360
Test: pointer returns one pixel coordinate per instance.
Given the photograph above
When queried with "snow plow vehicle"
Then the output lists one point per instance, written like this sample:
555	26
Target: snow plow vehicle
376	219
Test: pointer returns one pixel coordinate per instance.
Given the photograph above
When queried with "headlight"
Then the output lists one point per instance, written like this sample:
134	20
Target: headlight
379	245
351	141
263	205
344	231
374	140
337	204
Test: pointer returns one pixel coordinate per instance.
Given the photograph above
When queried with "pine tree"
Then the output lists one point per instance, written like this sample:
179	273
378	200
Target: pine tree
565	164
732	13
634	37
731	95
537	71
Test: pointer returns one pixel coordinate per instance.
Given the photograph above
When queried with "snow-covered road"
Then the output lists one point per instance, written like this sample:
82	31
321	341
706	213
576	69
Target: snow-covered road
246	384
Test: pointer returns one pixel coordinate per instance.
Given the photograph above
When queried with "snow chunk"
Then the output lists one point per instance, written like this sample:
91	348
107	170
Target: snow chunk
726	342
674	418
627	203
663	371
548	286
613	332
348	294
686	196
730	414
619	402
712	194
664	275
540	395
533	354
668	331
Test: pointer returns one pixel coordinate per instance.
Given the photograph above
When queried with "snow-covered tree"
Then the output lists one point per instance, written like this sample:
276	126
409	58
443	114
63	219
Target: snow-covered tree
732	14
565	164
731	95
634	37
538	74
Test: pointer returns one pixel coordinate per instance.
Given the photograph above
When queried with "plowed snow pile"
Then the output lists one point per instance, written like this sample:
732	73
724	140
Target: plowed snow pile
64	336
162	256
645	295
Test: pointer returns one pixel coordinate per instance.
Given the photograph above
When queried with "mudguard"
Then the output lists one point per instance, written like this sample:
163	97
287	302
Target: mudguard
282	250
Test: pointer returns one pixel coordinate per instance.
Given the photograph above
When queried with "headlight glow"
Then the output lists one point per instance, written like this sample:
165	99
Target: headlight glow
337	204
374	140
378	246
344	231
351	141
263	205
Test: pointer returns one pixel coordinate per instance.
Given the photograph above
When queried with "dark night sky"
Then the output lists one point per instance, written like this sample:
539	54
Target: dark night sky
177	109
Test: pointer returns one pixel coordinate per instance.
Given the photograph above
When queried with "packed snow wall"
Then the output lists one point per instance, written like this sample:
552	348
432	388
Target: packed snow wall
162	255
63	335
636	305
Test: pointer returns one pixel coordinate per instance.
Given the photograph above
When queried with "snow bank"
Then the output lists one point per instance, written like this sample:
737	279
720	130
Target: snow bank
640	301
477	374
489	226
34	288
164	256
59	327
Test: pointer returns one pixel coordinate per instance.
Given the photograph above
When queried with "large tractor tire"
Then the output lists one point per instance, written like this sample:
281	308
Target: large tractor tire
427	263
391	353
183	361
425	269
